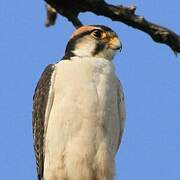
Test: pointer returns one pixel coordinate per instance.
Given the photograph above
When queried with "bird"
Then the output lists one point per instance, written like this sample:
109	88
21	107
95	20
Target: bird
79	110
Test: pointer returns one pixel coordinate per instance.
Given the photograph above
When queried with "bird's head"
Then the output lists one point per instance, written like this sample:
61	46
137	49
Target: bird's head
93	41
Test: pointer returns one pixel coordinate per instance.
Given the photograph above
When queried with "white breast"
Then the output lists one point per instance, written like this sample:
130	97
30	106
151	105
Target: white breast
84	114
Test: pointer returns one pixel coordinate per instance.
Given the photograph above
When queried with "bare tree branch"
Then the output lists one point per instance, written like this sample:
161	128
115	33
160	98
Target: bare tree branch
71	9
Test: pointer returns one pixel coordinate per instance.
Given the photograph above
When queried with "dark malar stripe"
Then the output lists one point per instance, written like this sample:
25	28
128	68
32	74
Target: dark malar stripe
99	47
72	43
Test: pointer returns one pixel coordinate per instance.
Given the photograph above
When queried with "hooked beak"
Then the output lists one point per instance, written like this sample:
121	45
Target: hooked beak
115	44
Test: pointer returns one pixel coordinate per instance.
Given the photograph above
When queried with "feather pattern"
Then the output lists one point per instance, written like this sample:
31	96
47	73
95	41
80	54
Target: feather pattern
40	103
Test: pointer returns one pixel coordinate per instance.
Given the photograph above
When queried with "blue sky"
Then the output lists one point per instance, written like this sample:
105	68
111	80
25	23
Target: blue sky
150	74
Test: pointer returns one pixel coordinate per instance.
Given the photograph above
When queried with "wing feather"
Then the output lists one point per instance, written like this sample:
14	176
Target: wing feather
41	100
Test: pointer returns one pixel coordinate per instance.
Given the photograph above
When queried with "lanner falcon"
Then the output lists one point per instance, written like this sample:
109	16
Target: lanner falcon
78	110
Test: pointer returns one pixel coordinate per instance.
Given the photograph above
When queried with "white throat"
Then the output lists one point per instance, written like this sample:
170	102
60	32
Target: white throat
88	49
84	50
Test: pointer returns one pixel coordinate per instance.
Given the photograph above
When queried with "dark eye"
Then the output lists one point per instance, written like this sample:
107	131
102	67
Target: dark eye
97	33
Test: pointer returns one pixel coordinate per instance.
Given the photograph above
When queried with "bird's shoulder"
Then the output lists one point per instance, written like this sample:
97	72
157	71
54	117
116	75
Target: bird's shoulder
41	92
